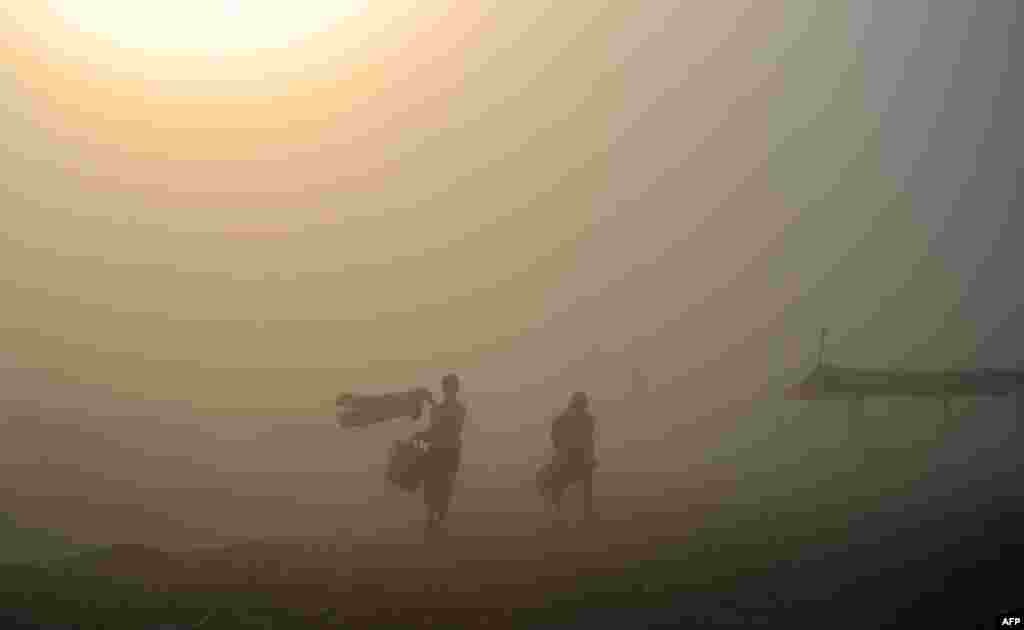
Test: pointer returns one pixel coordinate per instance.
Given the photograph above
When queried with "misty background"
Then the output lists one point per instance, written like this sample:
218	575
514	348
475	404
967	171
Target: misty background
675	202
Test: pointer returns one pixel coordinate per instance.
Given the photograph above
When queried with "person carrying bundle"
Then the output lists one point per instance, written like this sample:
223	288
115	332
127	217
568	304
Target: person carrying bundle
429	459
443	441
573	438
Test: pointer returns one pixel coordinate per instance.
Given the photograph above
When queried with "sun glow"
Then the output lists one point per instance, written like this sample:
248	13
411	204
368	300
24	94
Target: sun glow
280	127
205	27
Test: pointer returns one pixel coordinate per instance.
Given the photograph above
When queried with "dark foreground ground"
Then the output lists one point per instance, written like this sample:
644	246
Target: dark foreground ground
937	567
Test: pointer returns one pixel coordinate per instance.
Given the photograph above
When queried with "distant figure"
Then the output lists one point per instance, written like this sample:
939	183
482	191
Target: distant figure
355	411
443	439
573	439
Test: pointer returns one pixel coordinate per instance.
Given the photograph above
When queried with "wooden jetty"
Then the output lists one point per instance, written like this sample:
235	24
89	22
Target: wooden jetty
832	382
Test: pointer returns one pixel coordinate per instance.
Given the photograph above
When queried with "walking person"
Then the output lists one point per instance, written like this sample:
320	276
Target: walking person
443	440
573	438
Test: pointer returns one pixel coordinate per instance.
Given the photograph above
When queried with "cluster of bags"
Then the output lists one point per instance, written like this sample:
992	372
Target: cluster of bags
407	464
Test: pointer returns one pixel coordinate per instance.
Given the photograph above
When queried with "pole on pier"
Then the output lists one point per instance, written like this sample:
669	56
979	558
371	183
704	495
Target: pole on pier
821	346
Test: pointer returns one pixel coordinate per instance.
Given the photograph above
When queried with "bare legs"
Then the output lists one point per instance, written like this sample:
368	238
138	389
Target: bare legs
430	524
588	496
437	495
586	484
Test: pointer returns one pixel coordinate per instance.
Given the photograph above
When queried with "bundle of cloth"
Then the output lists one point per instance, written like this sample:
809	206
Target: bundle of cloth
356	411
407	464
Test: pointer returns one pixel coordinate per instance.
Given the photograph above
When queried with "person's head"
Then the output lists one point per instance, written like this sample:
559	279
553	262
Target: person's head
578	402
450	385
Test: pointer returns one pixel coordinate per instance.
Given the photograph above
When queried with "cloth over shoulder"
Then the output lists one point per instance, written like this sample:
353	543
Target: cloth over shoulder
355	410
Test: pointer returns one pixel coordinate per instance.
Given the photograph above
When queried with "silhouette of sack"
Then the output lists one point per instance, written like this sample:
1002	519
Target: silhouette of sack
406	464
546	478
560	472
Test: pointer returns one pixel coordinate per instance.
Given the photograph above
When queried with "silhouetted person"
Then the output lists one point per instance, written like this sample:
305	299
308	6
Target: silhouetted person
572	435
444	452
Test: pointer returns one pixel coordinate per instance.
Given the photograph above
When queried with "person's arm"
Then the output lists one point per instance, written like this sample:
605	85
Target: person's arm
421	402
463	419
593	437
426	434
557	431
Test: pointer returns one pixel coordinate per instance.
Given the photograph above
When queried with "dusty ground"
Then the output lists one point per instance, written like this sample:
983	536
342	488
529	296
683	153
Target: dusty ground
887	569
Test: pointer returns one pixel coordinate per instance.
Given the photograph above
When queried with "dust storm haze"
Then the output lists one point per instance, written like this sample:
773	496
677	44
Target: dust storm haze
659	205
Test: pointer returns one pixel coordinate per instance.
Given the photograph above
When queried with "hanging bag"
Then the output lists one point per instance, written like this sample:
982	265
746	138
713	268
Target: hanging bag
406	460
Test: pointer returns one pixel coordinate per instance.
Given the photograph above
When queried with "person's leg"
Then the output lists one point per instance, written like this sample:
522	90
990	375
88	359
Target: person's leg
588	495
454	462
560	481
430	492
451	470
551	500
441	496
428	523
445	496
557	495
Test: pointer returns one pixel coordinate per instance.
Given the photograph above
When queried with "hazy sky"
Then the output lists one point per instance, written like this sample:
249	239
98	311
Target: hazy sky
341	215
542	197
942	77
